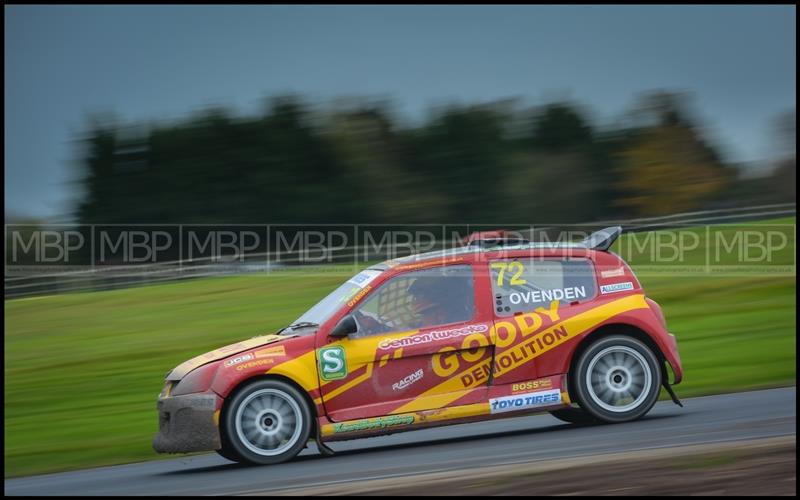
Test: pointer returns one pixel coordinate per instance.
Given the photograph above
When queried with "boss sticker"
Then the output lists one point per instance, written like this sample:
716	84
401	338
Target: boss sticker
332	364
542	383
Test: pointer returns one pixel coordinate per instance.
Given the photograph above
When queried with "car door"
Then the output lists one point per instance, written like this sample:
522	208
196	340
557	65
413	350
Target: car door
419	337
534	301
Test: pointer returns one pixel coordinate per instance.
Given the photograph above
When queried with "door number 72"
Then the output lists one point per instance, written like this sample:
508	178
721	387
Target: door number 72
514	267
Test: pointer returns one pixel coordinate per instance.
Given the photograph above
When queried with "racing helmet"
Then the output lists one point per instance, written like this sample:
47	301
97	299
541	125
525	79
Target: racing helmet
426	294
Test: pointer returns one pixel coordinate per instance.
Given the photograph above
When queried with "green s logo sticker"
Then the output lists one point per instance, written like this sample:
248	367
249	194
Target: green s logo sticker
332	365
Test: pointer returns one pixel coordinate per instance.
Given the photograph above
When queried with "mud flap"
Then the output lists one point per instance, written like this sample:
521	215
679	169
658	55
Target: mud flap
672	394
323	448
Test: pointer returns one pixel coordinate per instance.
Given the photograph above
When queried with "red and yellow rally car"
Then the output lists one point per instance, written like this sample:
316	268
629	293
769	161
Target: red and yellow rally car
490	330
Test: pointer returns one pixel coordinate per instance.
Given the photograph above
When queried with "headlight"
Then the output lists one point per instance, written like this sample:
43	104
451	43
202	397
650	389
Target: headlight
198	380
168	386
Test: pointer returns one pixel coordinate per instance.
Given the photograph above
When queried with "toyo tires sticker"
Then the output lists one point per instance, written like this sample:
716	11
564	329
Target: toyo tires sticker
525	401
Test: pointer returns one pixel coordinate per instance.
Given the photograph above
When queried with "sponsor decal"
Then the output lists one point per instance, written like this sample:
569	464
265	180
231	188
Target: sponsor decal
424	338
223	352
518	355
524	401
513	348
201	401
407	381
358	296
537	296
253	364
542	383
613	273
429	263
273	351
518	340
364	278
239	359
373	423
332	363
616	287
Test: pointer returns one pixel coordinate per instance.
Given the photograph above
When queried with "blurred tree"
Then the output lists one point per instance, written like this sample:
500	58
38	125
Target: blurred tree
668	169
563	141
487	163
373	158
560	127
662	108
549	188
461	153
783	181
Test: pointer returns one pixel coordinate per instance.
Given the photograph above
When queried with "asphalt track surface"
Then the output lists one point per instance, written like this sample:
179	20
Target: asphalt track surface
712	419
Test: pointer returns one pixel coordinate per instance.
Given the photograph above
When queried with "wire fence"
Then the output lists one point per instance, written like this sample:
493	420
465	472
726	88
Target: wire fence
27	281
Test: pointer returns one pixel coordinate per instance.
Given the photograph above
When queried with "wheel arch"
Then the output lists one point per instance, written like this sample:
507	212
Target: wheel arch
247	381
607	330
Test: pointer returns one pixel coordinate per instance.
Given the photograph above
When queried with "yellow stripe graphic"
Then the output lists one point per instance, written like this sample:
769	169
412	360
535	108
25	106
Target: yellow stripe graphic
361	378
574	326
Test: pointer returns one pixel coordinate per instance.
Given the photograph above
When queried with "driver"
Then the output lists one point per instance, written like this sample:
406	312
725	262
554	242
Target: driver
428	301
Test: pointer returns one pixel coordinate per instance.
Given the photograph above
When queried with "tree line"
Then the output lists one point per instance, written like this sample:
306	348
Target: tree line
485	163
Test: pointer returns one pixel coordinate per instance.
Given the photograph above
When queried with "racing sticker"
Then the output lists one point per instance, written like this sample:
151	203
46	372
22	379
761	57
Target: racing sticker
407	381
616	287
332	364
525	401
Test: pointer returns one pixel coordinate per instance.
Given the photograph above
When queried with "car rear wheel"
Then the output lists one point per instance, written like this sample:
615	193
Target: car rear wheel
267	422
617	379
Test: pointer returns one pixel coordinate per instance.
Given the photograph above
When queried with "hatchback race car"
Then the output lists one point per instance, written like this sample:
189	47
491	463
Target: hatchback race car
497	328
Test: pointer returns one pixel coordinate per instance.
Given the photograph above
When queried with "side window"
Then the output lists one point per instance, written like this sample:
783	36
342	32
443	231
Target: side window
522	285
419	299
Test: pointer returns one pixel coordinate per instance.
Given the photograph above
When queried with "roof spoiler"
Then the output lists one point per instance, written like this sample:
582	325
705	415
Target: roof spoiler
602	239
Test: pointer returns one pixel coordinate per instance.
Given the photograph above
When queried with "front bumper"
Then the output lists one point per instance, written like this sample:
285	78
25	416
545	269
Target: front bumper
188	423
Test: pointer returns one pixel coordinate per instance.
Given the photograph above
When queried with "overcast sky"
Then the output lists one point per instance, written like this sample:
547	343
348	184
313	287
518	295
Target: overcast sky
158	62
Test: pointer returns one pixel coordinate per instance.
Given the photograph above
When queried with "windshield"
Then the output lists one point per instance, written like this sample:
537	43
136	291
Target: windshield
336	299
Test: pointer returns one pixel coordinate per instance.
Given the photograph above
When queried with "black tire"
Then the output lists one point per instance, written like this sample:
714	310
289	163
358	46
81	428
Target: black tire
625	379
574	416
266	422
228	454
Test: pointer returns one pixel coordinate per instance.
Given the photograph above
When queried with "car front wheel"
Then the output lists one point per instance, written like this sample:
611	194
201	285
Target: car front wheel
267	422
617	379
